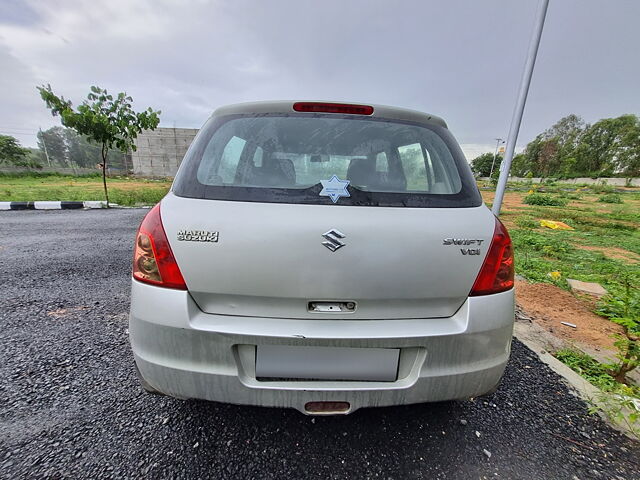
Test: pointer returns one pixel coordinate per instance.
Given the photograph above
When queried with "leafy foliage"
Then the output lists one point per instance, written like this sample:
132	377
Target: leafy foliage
623	307
109	121
589	368
572	148
621	409
12	153
610	198
65	147
481	165
545	200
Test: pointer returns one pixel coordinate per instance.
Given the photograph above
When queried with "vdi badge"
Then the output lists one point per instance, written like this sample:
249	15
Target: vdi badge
334	188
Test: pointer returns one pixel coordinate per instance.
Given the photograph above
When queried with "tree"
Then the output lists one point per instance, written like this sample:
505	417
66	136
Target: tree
110	122
52	144
570	147
67	148
553	151
611	145
519	166
481	165
12	153
566	131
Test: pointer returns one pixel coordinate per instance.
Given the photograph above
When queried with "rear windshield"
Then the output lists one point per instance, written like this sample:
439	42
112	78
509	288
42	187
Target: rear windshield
326	159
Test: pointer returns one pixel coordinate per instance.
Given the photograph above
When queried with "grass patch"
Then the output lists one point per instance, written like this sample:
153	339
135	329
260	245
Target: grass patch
122	190
595	372
602	188
610	198
540	251
545	200
527	221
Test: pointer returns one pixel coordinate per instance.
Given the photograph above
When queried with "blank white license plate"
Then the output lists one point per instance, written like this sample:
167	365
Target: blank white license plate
327	363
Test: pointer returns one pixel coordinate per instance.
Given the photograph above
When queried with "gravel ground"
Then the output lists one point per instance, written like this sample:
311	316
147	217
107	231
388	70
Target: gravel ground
70	406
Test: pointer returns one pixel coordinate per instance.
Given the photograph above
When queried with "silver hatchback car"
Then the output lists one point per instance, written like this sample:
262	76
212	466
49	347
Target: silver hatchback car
325	257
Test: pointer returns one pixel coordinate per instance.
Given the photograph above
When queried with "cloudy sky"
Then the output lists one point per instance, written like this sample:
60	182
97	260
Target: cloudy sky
459	59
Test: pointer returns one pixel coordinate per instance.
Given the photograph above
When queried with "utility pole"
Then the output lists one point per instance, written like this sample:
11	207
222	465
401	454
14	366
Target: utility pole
44	144
516	120
495	155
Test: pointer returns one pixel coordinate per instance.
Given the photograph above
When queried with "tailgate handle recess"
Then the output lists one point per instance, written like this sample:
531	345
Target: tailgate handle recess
329	307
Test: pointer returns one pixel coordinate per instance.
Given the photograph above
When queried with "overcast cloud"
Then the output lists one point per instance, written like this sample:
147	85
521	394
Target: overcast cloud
459	59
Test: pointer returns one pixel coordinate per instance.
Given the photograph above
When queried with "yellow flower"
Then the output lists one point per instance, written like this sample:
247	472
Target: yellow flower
555	275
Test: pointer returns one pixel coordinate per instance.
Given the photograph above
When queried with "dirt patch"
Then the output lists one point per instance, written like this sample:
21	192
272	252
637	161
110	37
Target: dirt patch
549	305
614	252
511	201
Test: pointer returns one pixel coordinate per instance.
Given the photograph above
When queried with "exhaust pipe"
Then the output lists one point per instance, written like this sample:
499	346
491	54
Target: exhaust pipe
327	408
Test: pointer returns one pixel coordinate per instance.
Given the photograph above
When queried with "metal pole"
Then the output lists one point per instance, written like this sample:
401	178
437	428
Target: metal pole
495	154
518	111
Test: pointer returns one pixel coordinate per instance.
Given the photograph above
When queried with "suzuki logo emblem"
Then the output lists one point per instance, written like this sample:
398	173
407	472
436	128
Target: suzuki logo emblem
333	241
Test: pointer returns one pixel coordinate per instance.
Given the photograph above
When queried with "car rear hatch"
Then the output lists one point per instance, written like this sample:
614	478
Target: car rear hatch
311	215
270	261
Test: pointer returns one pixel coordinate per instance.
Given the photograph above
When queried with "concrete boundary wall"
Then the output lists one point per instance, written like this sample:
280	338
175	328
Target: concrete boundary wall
159	152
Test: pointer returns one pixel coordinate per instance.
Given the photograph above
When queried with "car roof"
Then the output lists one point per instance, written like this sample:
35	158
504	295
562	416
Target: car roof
286	106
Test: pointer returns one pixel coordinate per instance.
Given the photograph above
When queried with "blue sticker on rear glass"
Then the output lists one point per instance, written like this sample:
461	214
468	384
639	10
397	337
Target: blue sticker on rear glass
334	188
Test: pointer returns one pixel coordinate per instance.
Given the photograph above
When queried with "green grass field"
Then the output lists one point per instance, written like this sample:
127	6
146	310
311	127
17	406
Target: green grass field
122	190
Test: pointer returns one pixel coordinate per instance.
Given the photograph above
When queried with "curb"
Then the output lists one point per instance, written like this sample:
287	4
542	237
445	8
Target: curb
53	205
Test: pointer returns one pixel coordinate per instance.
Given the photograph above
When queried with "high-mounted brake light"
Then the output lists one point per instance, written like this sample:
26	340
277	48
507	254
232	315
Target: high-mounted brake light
153	260
497	272
347	108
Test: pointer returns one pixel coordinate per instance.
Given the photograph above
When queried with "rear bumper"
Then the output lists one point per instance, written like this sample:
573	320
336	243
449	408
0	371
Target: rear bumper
186	353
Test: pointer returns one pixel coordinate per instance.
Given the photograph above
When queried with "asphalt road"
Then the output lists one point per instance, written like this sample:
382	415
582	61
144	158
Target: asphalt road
70	406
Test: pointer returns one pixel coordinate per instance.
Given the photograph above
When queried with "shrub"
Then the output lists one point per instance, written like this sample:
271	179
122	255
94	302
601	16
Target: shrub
526	221
611	198
602	188
622	306
545	200
570	195
589	368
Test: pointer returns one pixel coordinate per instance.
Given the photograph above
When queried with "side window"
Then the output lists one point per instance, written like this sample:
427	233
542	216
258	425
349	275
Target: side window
230	158
414	166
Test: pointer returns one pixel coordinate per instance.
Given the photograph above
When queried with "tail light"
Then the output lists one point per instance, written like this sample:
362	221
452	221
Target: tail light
347	108
496	274
153	260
